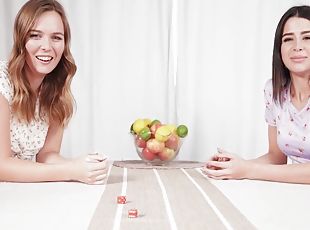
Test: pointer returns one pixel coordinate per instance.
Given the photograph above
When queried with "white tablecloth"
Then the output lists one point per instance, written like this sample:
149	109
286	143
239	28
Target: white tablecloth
70	205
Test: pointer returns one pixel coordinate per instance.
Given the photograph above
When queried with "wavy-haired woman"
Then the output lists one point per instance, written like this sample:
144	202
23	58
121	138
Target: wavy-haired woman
287	98
36	103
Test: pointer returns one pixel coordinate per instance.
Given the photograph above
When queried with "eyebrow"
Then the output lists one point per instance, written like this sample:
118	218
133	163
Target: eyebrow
39	31
303	32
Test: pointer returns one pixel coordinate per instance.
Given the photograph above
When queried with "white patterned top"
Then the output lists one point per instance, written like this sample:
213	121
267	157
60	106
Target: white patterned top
293	126
26	138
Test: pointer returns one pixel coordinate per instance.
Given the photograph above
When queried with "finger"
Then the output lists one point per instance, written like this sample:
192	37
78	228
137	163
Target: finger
214	158
217	173
219	177
224	156
220	150
96	157
223	152
99	182
96	173
218	164
99	165
209	166
101	177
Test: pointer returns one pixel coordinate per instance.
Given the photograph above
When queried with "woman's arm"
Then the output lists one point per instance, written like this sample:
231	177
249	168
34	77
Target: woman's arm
50	151
271	166
274	155
83	169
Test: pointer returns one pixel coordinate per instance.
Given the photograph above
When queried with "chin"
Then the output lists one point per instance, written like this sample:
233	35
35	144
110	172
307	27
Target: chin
300	70
45	69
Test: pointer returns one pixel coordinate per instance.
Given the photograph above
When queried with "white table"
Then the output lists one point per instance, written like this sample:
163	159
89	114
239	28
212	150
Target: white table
47	206
270	205
70	205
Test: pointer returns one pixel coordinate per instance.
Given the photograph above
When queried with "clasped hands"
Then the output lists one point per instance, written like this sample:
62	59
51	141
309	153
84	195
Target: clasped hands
224	165
91	168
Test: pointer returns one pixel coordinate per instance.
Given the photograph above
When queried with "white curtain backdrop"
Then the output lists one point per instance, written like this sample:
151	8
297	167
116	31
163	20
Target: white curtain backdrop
202	63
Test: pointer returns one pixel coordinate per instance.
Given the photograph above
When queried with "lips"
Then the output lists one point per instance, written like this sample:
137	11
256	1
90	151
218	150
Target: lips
298	58
44	58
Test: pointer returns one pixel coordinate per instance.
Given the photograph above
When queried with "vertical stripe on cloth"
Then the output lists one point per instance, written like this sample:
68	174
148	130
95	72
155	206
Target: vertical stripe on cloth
104	215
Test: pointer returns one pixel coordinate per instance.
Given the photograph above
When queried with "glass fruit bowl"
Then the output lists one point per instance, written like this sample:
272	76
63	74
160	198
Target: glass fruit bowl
157	143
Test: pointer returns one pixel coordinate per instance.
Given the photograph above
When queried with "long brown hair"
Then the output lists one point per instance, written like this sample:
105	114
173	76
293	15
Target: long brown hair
280	74
56	100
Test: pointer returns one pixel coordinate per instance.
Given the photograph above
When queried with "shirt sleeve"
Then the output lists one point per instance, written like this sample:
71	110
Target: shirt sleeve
270	116
5	85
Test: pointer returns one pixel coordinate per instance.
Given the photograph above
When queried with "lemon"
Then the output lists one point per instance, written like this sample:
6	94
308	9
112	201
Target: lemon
172	128
147	121
182	131
138	125
162	133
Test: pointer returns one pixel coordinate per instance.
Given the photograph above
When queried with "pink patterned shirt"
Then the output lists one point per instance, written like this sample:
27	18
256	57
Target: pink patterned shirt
293	126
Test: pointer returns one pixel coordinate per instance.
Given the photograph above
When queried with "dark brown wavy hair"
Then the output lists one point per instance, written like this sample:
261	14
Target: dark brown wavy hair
56	100
280	74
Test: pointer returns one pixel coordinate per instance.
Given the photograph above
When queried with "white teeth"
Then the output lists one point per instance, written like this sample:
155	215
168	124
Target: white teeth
44	58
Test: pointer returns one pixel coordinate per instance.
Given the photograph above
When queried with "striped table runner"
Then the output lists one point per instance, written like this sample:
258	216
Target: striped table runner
165	199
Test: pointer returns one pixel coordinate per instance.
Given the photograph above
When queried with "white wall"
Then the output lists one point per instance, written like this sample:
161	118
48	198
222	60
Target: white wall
123	55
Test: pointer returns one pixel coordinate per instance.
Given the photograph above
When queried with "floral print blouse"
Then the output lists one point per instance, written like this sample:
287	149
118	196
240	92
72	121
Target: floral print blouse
26	139
293	126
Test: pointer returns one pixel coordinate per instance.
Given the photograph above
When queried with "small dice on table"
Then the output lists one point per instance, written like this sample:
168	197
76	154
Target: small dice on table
121	199
132	213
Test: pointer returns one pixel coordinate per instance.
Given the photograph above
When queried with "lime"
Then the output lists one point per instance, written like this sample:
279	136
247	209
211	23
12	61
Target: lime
182	131
138	125
145	133
162	133
154	122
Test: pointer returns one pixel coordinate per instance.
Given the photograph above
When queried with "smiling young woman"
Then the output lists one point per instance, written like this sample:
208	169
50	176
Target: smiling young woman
287	98
36	102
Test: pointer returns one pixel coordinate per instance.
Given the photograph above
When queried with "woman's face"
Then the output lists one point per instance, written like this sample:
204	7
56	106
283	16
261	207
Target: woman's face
45	45
295	48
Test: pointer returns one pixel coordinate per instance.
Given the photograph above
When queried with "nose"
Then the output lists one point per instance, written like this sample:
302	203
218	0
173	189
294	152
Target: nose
297	46
45	44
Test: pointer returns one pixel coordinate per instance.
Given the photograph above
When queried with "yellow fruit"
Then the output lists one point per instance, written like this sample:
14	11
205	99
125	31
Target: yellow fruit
172	128
162	133
147	121
138	125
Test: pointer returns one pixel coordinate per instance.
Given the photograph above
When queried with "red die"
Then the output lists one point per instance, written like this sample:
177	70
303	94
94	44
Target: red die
132	213
121	199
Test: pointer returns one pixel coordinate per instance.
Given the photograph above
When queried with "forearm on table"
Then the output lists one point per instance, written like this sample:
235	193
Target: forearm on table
291	173
269	159
16	170
51	158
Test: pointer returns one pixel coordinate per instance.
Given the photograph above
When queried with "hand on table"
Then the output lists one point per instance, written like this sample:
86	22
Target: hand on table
90	169
224	165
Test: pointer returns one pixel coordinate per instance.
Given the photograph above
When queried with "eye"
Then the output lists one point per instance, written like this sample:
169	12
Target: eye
287	39
307	38
57	38
34	36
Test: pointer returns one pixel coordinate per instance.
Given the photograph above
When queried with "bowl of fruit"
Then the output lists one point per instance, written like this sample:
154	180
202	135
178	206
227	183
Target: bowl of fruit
157	143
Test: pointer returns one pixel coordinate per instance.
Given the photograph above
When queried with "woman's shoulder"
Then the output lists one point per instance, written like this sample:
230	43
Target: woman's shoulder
268	86
5	85
3	69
